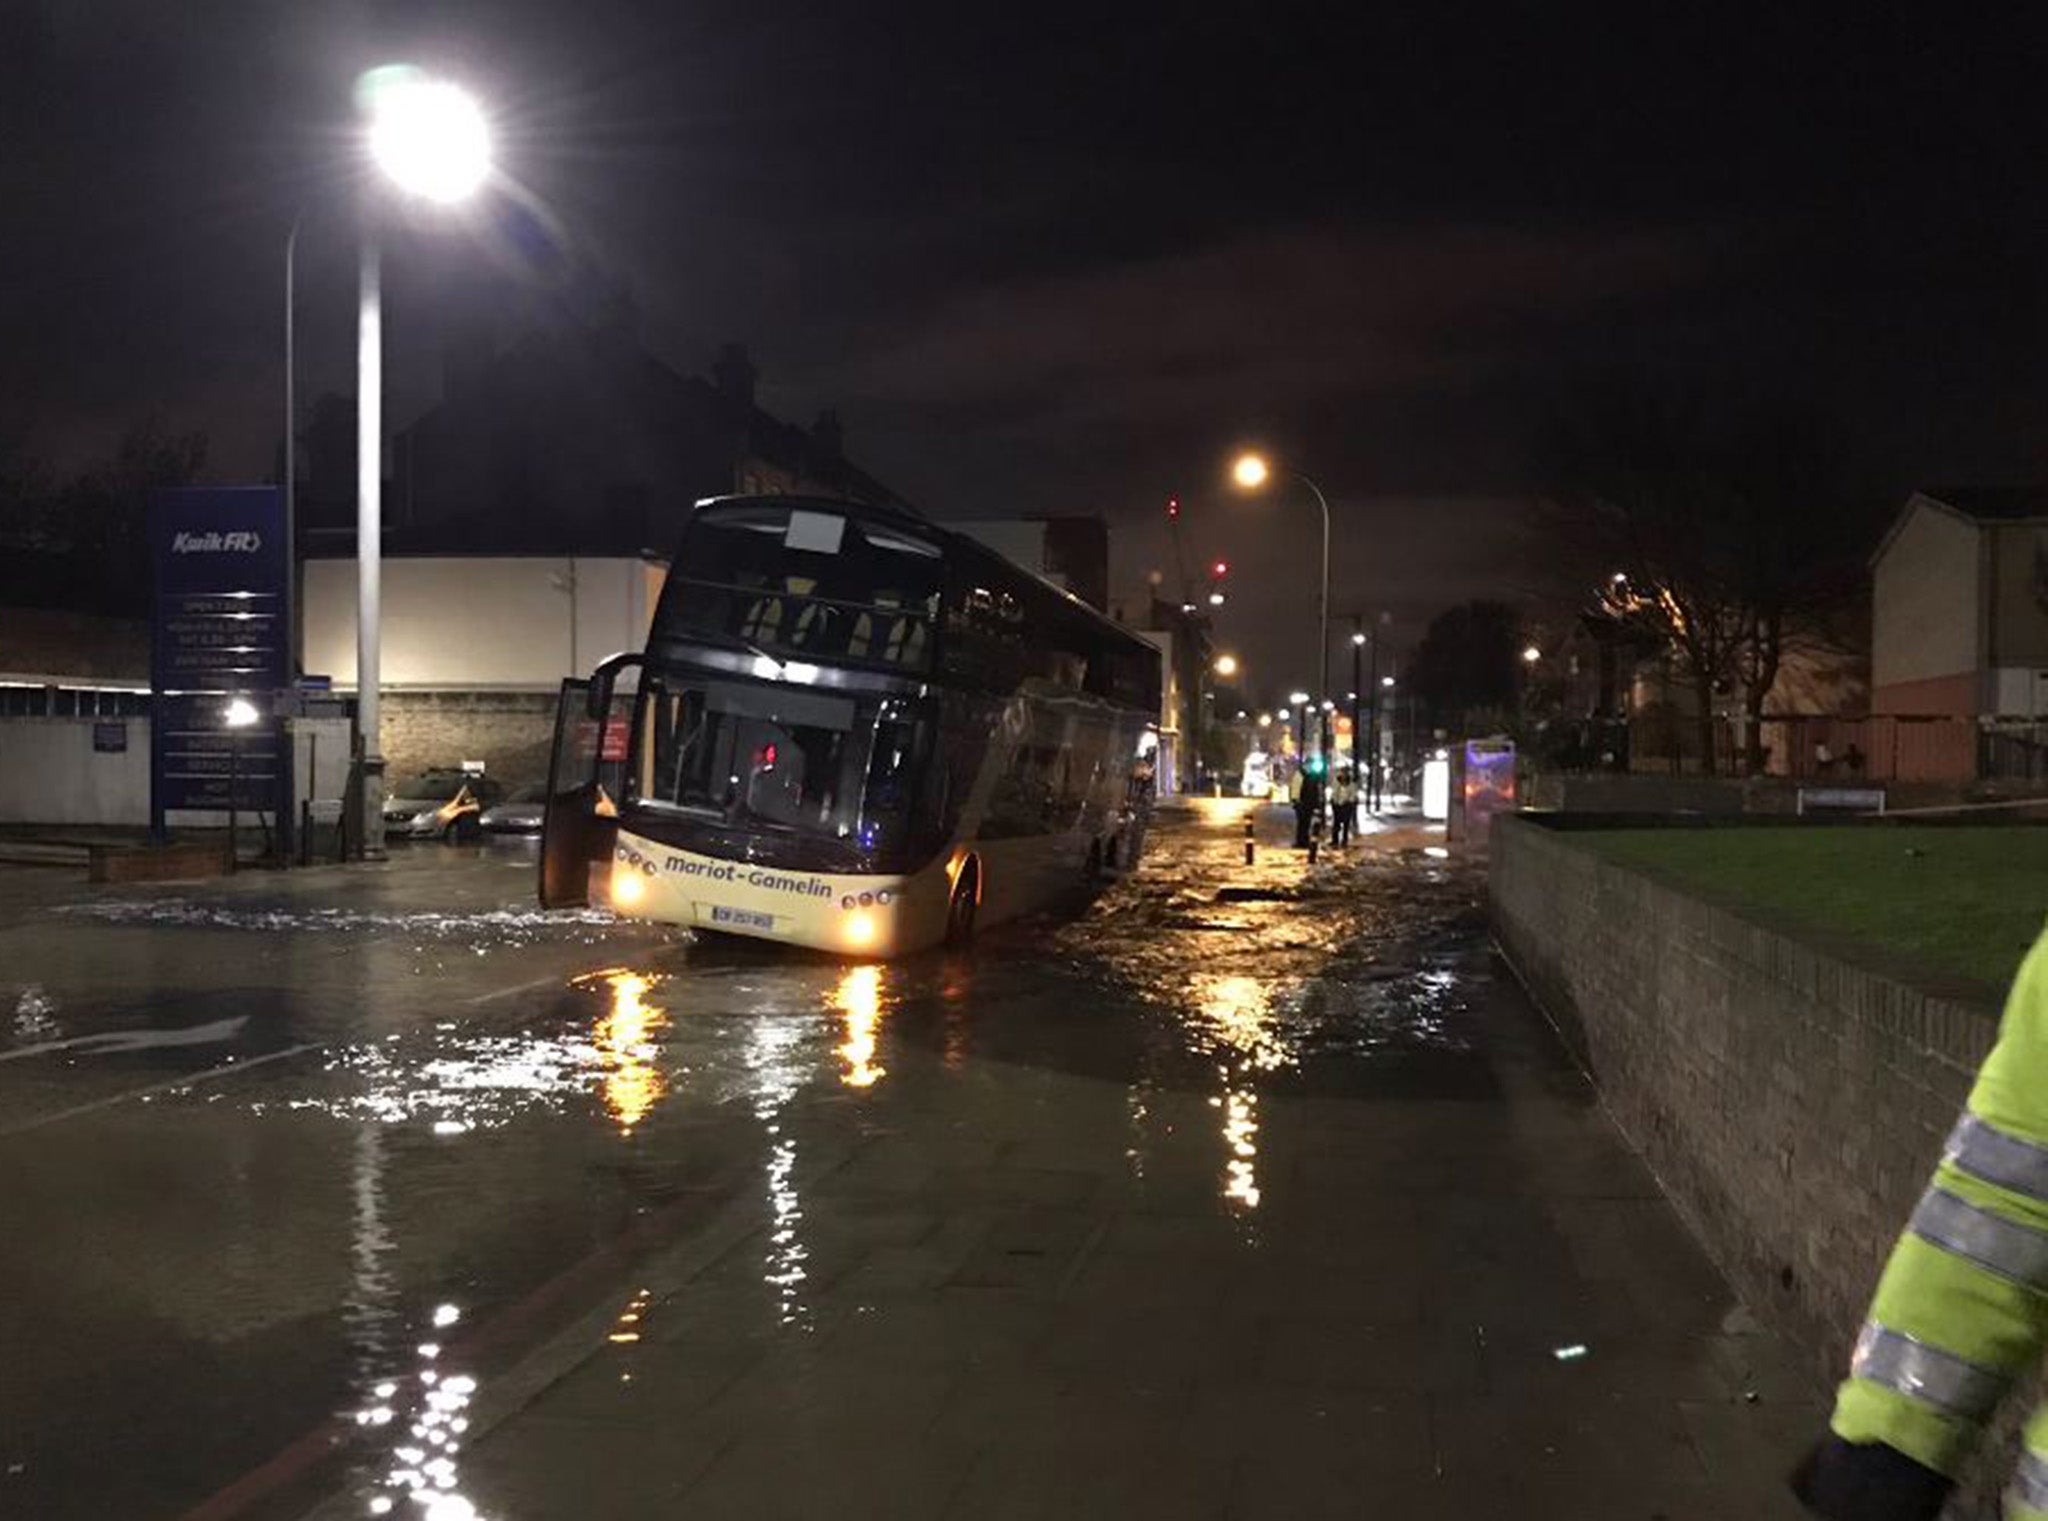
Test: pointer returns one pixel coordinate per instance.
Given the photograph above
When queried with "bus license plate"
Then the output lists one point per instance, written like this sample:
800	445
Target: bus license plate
744	918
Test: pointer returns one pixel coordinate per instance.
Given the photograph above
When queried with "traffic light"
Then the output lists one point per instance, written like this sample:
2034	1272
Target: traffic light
1222	569
1313	764
1173	506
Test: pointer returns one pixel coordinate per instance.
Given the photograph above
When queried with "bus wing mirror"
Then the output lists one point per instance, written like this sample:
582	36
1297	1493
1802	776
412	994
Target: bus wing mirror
604	678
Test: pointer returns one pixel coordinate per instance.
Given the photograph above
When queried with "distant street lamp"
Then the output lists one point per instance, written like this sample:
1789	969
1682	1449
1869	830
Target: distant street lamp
1251	472
429	138
1531	655
1226	665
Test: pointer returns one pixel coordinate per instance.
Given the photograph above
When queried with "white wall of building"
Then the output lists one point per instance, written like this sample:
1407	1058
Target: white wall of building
1926	608
52	775
482	624
2019	692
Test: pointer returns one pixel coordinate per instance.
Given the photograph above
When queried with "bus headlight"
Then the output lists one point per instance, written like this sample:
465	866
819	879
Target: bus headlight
628	887
860	928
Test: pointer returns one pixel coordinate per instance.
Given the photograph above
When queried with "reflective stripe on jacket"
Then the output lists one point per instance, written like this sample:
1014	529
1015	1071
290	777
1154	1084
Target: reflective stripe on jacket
1961	1311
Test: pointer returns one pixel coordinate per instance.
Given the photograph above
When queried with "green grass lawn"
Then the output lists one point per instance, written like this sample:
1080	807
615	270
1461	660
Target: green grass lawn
1965	900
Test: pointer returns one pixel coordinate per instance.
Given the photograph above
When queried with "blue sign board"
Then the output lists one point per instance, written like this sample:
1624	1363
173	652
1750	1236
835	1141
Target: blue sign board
219	649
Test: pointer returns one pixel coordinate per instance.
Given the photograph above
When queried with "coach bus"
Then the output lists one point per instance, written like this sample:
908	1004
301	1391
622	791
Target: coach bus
851	729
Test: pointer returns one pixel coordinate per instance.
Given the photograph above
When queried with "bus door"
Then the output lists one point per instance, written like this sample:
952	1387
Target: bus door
586	779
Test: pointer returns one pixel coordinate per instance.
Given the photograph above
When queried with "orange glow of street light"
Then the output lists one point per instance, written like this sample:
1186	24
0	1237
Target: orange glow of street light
1226	665
1251	471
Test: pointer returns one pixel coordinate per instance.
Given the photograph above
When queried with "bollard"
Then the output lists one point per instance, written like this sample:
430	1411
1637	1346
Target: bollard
1249	846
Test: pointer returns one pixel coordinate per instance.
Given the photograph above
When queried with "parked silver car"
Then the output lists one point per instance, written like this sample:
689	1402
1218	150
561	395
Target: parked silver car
439	805
521	813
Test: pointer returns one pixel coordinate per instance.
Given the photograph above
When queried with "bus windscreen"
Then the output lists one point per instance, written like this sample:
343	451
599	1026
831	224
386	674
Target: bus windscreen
778	761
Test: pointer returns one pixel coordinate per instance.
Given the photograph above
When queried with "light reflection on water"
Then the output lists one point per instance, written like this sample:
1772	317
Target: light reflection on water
427	1414
858	997
456	1080
634	1083
1234	1022
779	1064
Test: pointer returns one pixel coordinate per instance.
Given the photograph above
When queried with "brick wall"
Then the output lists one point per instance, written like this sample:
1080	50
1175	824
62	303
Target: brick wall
1792	1101
510	732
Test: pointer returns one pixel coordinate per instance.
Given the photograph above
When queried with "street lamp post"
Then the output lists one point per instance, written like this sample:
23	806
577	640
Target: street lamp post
1358	777
1251	472
430	139
1372	738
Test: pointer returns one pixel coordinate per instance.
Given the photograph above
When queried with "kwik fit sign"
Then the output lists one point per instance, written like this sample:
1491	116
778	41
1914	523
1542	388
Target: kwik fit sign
219	634
220	590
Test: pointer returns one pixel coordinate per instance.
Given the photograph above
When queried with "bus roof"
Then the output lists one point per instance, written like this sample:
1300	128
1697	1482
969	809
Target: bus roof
958	548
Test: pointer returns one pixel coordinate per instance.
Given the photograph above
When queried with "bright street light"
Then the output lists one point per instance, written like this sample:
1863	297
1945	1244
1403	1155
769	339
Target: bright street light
1531	655
428	135
1251	472
1215	599
1297	698
1359	637
1265	720
1226	665
429	138
1386	681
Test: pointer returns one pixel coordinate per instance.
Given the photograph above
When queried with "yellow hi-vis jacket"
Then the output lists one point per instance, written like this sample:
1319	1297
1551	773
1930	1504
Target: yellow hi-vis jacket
1961	1311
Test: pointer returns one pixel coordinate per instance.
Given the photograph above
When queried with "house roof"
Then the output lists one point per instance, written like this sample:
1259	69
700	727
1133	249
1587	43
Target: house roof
1972	504
1993	504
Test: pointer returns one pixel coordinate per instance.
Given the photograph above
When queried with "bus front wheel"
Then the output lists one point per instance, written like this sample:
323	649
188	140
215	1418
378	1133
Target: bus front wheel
961	910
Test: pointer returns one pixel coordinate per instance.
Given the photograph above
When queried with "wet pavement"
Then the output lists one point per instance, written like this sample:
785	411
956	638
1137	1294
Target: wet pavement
1244	1193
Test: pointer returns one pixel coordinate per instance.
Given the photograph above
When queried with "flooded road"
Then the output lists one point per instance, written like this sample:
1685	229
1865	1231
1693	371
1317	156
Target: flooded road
1243	1192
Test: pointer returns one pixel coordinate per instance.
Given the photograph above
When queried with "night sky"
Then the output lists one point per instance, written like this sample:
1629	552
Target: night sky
1045	259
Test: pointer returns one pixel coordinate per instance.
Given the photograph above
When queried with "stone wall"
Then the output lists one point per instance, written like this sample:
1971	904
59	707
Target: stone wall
510	732
1793	1101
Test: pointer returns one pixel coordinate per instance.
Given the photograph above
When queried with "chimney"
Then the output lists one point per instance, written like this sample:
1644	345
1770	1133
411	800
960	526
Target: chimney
735	373
828	436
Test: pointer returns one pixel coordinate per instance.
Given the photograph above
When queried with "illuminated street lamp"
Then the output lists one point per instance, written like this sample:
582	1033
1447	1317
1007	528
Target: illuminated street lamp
1226	665
1266	720
1531	655
429	139
1251	472
1386	681
1216	599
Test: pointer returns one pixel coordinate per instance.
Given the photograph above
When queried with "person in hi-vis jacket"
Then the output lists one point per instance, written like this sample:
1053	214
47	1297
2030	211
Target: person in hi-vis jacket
1961	1312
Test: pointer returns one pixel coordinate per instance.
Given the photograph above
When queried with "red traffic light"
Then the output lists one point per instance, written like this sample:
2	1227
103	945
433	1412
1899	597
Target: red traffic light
1222	569
1173	506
